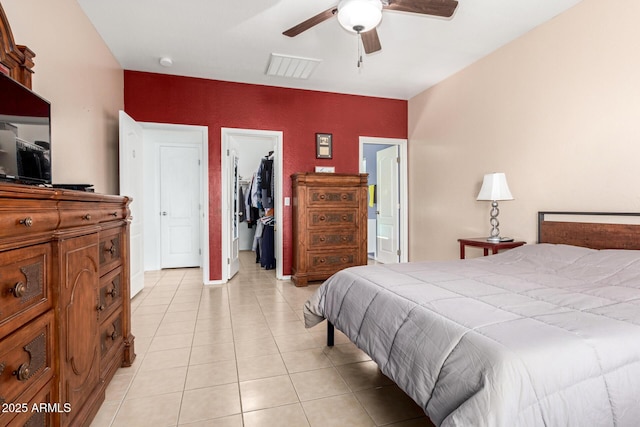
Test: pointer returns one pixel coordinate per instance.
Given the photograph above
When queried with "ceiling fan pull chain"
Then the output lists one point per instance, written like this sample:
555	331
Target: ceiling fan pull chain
359	41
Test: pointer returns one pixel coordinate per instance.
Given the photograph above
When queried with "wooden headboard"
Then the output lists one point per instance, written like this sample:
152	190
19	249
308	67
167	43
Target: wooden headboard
596	235
15	60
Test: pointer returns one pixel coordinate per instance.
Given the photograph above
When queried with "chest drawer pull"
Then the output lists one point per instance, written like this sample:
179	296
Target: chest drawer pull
37	350
86	217
101	307
18	290
113	292
114	335
27	222
114	214
23	373
111	250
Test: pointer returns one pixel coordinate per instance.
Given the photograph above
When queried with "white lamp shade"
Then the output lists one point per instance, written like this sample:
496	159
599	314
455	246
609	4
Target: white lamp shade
494	187
359	13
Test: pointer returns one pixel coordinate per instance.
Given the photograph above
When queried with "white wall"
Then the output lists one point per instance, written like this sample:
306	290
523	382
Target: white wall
76	72
556	110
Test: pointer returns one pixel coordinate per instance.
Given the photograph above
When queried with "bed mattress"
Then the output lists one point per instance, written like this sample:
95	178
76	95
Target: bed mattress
541	335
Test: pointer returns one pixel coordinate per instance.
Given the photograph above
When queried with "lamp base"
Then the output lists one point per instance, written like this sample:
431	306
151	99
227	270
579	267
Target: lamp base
499	239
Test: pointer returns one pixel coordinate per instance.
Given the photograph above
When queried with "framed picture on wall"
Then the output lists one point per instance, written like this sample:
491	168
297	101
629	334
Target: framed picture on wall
324	148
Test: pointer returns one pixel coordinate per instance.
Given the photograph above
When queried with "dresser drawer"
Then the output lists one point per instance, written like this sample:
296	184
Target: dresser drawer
25	217
40	410
110	336
332	196
110	250
323	218
332	238
26	360
111	213
75	214
24	285
332	260
110	293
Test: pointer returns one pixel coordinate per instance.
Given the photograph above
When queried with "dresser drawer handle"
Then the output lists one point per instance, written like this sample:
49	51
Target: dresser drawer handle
27	222
344	217
111	250
23	373
101	307
113	335
322	239
113	292
114	214
86	217
18	289
344	197
344	259
322	218
322	260
322	197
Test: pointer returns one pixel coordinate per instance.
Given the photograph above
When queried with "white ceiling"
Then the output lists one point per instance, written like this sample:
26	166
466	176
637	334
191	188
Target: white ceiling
233	40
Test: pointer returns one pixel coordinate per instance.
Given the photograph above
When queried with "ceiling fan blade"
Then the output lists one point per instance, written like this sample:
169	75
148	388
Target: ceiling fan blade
370	41
314	20
444	8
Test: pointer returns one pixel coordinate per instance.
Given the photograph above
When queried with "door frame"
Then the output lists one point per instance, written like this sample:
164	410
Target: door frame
155	134
226	135
403	190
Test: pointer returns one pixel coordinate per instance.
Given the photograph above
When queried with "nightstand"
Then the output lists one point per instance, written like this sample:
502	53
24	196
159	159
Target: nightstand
481	242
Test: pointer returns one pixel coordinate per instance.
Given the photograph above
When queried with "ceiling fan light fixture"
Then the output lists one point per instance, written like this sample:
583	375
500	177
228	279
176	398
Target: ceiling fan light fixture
359	15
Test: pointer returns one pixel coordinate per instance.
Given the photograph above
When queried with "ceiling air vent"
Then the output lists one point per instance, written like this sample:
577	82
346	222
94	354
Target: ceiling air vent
293	67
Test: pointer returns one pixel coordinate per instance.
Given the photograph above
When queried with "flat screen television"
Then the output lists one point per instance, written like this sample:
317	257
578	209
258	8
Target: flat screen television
25	134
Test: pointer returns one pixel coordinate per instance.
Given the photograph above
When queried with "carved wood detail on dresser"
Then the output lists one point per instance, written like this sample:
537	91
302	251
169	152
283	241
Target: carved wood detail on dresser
329	224
65	314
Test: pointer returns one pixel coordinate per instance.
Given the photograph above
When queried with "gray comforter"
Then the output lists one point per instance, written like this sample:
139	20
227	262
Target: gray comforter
541	335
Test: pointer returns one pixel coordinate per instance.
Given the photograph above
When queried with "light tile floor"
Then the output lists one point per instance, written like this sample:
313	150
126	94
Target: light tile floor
238	355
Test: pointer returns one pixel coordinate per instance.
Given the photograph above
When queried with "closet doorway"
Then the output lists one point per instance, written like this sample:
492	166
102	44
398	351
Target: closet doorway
141	164
176	197
385	160
243	151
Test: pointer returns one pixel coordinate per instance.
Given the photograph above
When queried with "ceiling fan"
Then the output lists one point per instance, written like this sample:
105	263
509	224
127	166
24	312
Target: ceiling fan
363	16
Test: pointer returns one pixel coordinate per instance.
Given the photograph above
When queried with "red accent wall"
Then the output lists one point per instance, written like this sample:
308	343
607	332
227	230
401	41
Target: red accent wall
299	114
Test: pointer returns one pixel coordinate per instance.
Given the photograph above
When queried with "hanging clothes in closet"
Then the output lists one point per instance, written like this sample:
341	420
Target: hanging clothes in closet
252	202
259	204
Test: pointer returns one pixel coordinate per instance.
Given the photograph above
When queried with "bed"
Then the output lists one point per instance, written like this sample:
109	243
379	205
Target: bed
545	334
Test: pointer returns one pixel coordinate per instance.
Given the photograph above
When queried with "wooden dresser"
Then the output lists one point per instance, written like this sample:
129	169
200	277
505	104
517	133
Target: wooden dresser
329	224
65	316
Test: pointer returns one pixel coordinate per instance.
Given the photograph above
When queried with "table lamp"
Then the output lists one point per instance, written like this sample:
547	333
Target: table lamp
495	188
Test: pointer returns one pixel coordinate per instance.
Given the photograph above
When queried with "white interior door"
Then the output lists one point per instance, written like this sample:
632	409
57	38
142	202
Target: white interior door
387	215
234	214
179	205
131	184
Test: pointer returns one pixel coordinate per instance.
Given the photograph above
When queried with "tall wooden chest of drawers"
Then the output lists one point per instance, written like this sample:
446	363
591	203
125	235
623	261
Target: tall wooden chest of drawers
329	224
65	313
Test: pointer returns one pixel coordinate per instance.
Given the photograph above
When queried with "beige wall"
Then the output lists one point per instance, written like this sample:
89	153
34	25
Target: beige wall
557	110
77	73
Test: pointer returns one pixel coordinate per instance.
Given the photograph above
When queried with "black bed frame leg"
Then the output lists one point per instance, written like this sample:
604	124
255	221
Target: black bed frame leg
329	334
